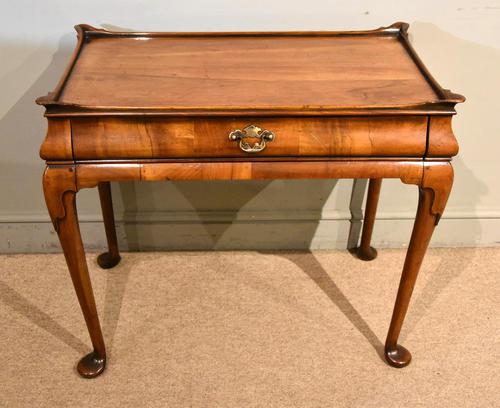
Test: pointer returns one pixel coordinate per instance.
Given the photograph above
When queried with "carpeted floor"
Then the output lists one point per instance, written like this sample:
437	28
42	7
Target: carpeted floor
253	329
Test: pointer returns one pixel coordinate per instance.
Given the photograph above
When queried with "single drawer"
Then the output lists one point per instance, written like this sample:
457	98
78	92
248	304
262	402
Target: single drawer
155	137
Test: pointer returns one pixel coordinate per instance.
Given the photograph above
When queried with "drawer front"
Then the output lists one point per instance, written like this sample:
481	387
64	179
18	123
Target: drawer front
125	138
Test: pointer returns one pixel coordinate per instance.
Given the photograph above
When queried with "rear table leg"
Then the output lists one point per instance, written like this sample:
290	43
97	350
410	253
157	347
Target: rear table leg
111	258
365	252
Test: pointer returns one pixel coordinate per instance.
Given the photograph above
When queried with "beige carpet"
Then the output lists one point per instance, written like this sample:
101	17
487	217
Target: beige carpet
253	329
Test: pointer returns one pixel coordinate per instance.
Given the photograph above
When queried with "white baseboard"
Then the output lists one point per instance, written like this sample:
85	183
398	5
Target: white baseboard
246	230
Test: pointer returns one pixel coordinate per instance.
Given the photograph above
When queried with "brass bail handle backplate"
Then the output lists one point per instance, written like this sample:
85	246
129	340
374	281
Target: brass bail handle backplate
252	132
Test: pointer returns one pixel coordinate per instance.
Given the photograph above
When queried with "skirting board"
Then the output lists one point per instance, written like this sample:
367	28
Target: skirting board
226	232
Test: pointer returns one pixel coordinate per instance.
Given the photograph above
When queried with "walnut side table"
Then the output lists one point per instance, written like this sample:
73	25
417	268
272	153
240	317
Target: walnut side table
241	106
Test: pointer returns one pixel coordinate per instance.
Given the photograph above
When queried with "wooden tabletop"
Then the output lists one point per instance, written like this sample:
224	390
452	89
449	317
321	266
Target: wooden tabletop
315	72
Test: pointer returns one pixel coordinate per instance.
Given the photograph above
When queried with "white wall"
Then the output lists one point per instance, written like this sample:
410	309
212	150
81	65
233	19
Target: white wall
458	40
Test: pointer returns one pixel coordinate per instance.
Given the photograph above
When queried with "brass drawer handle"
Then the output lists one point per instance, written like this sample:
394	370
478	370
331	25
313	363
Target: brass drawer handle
252	132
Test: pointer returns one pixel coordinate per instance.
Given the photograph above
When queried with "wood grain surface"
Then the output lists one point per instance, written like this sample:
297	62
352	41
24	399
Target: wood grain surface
256	71
121	138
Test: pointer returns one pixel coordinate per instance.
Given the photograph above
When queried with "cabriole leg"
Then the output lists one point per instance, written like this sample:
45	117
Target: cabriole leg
60	192
434	191
365	251
111	258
